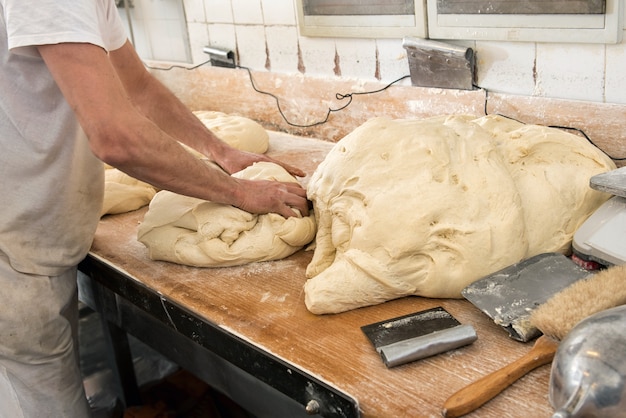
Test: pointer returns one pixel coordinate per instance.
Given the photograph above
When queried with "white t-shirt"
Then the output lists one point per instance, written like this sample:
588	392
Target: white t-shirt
51	184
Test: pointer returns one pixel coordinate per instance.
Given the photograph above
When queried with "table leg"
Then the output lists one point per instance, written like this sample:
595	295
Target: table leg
121	361
118	350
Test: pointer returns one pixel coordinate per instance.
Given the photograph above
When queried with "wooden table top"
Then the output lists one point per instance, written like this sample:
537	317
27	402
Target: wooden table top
263	303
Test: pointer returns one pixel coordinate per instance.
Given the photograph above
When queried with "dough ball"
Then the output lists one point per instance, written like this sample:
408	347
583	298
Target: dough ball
237	131
426	207
123	193
201	233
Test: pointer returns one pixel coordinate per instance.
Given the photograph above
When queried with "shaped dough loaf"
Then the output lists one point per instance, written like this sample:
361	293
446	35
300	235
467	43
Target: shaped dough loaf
123	193
237	131
426	207
201	233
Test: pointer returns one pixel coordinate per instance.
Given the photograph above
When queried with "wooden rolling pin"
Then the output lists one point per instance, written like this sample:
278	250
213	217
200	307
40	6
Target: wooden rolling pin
555	318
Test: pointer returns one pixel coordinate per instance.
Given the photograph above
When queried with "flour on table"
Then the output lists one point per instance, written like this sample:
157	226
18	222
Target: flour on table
237	131
426	207
201	233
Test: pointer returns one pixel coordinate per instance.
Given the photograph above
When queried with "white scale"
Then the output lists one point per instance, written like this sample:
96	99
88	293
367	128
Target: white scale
602	237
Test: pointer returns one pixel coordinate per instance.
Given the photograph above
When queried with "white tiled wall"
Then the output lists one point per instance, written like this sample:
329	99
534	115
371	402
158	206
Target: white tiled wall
265	37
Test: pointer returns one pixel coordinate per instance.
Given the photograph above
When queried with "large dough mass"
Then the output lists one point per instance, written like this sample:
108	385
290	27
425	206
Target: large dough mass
200	233
425	207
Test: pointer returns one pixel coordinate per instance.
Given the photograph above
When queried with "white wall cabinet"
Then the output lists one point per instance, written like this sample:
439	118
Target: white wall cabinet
362	18
577	21
571	21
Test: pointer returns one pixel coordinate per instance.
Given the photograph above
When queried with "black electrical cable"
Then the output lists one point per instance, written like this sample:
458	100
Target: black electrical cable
570	128
338	96
588	139
184	67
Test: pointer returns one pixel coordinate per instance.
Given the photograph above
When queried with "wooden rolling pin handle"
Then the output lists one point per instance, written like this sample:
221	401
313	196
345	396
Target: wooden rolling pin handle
486	388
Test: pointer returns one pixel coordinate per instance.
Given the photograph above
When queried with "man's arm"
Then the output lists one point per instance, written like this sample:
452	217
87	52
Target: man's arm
123	136
160	105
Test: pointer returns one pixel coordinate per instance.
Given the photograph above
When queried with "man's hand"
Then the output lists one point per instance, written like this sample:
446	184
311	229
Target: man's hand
279	197
233	160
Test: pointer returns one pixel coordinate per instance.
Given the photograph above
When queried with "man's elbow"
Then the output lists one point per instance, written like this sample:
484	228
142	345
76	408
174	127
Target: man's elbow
111	148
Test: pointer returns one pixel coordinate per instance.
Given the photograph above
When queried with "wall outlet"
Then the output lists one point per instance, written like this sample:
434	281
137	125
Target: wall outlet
220	57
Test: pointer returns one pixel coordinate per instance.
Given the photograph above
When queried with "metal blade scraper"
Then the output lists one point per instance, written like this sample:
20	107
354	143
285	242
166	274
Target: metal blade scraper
418	335
510	295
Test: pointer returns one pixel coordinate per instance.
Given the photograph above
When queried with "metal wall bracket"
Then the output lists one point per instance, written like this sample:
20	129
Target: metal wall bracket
438	64
220	57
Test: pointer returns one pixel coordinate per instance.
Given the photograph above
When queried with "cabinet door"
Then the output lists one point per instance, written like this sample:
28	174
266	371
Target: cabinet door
580	21
362	18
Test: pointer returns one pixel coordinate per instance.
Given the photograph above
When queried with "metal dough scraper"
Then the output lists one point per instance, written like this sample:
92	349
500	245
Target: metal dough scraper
418	335
508	296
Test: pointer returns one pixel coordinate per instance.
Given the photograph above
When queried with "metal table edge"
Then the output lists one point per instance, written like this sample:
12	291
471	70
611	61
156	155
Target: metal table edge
316	396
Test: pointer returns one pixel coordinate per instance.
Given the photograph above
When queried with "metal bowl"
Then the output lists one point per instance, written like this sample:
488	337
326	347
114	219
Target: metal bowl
588	376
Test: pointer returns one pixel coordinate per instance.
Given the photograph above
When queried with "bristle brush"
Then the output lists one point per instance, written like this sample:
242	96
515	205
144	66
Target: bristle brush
555	318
